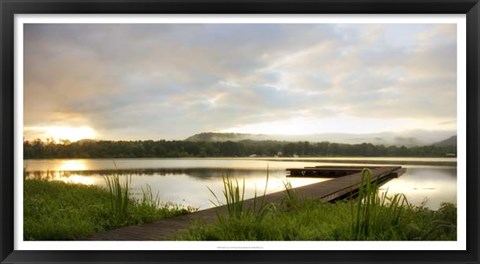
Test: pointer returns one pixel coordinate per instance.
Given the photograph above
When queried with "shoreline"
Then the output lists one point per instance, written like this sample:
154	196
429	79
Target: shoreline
371	161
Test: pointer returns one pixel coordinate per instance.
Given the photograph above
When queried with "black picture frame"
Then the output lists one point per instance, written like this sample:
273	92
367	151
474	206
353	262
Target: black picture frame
8	8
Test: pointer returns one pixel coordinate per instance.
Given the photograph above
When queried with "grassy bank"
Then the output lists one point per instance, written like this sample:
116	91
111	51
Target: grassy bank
317	221
56	210
369	217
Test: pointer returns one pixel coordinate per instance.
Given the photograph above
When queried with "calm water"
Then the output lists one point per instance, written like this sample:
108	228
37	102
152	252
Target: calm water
185	181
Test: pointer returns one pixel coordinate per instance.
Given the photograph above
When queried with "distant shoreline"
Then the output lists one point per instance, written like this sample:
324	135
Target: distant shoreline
369	161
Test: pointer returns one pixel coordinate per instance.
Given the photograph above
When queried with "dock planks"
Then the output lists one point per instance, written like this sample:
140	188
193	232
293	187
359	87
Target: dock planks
330	190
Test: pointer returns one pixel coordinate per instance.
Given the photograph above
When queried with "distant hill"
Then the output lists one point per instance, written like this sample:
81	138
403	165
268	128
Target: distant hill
408	138
451	141
84	141
222	137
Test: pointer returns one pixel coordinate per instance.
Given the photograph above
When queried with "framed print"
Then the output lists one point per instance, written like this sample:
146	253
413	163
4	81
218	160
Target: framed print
247	131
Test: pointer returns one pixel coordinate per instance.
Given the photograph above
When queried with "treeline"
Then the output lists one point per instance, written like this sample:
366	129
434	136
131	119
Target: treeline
171	149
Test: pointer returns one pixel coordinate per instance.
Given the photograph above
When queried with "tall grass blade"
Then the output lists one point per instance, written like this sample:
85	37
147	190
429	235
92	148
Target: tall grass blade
234	200
374	211
119	195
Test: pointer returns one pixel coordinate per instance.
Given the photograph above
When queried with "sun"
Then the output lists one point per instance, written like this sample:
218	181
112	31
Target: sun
69	133
59	133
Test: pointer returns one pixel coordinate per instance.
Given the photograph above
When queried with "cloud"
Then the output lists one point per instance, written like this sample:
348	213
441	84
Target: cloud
172	80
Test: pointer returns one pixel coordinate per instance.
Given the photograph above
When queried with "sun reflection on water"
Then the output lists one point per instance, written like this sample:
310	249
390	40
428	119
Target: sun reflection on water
72	165
185	181
77	179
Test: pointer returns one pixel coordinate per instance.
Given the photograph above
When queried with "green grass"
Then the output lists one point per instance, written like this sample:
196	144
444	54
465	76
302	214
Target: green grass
318	221
369	217
55	210
372	210
120	200
234	195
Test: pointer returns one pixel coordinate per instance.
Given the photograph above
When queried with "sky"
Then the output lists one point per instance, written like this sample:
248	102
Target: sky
171	81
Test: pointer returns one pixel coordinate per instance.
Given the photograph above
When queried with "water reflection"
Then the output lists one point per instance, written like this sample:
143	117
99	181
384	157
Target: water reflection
184	163
202	173
185	181
72	165
428	186
182	186
65	176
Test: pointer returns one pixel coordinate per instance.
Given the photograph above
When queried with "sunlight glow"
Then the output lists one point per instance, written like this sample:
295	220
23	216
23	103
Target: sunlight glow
72	165
77	179
59	133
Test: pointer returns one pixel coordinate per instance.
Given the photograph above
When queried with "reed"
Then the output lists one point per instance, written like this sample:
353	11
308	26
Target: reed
119	195
371	211
233	194
148	199
235	203
291	200
260	209
371	216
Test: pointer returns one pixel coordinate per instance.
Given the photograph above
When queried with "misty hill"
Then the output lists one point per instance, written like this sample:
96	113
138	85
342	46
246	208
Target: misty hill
451	141
86	141
222	137
408	138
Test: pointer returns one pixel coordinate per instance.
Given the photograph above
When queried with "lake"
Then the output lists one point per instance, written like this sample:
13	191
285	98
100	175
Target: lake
187	181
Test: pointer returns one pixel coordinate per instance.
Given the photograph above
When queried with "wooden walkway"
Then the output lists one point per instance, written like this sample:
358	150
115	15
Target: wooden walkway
330	190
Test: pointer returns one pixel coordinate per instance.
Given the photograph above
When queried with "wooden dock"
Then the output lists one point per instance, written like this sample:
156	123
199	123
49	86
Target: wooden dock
344	184
323	172
345	180
335	171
